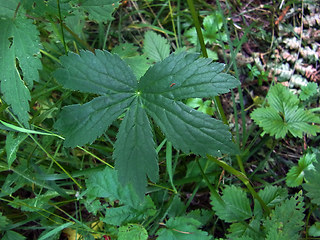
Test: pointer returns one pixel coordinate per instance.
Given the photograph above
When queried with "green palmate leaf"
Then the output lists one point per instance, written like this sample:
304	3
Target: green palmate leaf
182	228
236	205
19	63
308	91
98	10
312	186
132	232
157	93
286	220
136	135
272	196
284	115
296	174
155	47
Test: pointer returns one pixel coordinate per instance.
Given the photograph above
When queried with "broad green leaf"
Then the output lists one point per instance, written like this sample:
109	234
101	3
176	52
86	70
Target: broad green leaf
84	123
285	115
182	228
99	10
101	73
202	215
236	205
314	230
281	99
189	129
132	232
271	195
286	220
8	8
200	105
177	207
12	145
156	95
126	214
212	28
135	134
76	22
105	184
295	176
312	186
92	206
212	33
10	235
155	47
308	91
241	230
192	77
130	54
41	8
20	49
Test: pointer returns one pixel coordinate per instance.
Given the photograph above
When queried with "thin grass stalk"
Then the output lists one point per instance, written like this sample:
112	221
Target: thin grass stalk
205	54
241	176
61	26
233	54
212	190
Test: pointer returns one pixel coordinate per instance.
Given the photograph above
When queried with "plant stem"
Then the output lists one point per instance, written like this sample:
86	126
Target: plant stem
234	64
212	190
205	54
61	26
241	176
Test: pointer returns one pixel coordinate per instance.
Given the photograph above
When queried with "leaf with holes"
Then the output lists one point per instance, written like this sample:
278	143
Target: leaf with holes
158	95
19	63
155	47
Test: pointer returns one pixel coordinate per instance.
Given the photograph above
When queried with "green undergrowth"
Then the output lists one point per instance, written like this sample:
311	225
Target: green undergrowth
115	124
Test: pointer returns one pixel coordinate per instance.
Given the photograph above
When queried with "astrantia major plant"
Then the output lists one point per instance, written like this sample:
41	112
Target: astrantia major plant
157	96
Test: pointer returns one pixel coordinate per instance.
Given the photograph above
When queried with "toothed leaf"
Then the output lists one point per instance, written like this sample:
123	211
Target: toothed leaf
135	135
312	186
19	63
236	205
83	124
156	95
99	10
155	47
284	115
182	228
